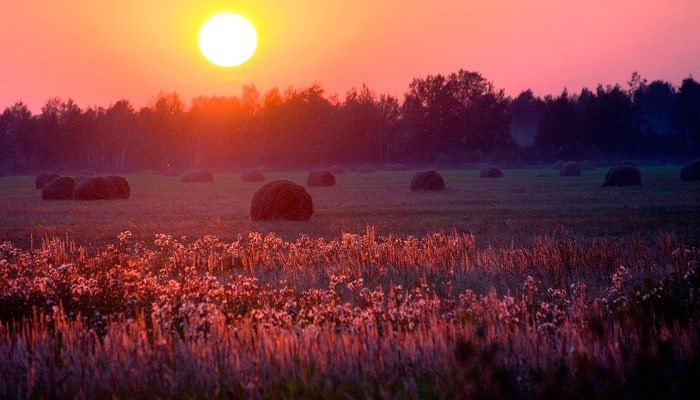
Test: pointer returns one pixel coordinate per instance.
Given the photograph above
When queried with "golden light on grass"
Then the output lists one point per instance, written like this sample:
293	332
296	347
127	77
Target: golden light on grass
228	40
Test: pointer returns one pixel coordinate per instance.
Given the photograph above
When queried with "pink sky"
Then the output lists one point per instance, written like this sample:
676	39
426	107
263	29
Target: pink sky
100	52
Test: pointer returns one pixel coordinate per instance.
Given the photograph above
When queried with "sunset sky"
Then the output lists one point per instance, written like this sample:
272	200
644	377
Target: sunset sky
98	52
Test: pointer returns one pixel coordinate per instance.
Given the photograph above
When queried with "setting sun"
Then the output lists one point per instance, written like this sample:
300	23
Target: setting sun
227	40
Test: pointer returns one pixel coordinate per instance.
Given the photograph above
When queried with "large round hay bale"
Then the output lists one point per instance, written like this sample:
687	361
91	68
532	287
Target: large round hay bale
199	175
61	188
43	179
491	172
122	190
281	200
588	166
95	189
623	175
337	169
570	169
366	169
320	178
252	176
427	180
691	172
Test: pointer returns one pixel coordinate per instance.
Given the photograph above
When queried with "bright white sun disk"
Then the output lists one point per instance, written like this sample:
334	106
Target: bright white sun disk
227	40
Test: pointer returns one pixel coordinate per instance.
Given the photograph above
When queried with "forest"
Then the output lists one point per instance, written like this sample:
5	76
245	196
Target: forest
442	119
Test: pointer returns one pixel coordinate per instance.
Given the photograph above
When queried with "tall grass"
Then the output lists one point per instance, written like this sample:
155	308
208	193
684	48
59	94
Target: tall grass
360	316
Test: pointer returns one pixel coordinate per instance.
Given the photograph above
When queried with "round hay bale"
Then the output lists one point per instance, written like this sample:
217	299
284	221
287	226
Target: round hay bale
427	180
623	175
691	172
491	172
320	178
570	169
588	166
95	189
337	169
82	178
43	179
281	200
199	175
122	190
252	176
59	189
393	167
366	169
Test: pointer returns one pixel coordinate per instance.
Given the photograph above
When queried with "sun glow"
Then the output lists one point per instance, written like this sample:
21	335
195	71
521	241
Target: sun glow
228	40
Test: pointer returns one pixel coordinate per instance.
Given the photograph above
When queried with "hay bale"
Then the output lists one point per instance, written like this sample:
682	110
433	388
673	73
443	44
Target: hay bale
570	169
623	175
42	179
59	189
366	169
588	166
198	175
82	178
491	172
320	178
393	167
691	172
95	189
337	169
252	176
122	190
427	180
281	200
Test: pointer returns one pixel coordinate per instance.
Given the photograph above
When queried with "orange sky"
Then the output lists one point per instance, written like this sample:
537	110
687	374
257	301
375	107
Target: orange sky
98	52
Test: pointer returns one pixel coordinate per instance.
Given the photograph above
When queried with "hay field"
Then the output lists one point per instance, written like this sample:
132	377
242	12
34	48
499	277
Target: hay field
523	204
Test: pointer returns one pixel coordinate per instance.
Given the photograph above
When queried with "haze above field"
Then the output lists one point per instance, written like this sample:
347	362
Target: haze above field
99	52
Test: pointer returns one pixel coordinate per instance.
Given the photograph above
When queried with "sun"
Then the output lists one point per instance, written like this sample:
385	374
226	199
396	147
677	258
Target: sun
227	40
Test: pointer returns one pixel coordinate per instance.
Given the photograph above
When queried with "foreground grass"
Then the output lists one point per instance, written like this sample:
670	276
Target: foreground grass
524	204
361	316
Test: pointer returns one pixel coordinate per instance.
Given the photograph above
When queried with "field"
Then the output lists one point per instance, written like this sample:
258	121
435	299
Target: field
524	204
530	286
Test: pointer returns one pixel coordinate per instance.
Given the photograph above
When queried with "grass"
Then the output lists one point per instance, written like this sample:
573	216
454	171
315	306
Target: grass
524	204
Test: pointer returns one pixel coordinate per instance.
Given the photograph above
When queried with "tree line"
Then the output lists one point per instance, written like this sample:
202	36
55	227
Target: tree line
460	117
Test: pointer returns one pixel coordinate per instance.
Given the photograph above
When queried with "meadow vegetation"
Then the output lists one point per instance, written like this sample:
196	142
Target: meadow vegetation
528	286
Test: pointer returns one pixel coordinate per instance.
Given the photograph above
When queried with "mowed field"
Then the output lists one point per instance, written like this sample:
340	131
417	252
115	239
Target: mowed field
524	204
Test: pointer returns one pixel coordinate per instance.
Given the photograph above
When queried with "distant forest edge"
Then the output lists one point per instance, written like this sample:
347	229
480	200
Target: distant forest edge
455	118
